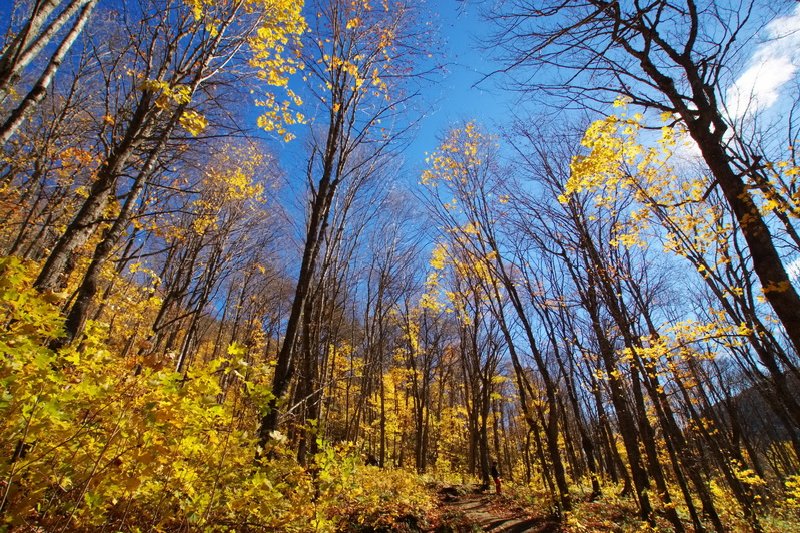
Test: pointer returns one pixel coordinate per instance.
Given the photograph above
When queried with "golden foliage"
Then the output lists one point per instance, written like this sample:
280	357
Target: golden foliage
104	441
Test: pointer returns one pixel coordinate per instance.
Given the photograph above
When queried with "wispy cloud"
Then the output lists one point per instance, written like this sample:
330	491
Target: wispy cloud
793	270
773	63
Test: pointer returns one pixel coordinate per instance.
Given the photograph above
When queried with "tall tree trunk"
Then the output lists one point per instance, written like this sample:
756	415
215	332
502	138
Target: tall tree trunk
84	224
318	222
39	90
26	45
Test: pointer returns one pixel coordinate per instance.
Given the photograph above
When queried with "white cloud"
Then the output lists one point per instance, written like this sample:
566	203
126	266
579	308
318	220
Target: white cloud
773	64
793	270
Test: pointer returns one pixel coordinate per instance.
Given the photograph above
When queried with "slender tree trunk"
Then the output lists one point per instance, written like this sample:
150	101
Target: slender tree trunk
382	448
17	54
586	441
85	221
318	221
39	90
76	318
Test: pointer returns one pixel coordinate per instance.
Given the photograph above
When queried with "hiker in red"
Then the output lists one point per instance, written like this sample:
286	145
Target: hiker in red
496	477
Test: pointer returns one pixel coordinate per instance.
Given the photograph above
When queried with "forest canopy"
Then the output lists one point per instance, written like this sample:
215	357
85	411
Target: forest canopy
242	290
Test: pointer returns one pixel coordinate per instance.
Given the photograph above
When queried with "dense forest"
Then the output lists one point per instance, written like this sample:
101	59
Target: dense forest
234	296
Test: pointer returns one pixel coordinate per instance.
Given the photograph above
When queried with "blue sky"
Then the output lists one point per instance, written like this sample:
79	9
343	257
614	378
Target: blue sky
463	93
459	95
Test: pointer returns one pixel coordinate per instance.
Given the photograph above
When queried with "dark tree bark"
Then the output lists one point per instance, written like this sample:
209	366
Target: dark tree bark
668	55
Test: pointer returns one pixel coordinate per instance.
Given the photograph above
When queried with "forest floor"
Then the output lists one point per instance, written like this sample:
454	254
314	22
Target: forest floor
463	509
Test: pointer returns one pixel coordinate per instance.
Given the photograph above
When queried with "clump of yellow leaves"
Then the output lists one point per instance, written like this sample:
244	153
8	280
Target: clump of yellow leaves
620	165
274	48
792	484
746	475
439	256
193	122
275	55
458	155
779	187
229	185
432	299
169	95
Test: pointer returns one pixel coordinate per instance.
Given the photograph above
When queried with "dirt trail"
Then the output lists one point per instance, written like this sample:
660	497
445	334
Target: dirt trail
464	511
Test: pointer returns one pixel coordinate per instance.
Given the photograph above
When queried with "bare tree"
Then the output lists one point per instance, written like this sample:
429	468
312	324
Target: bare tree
359	65
670	56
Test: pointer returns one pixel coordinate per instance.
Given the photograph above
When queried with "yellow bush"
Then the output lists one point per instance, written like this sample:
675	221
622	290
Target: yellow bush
98	440
792	484
353	496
